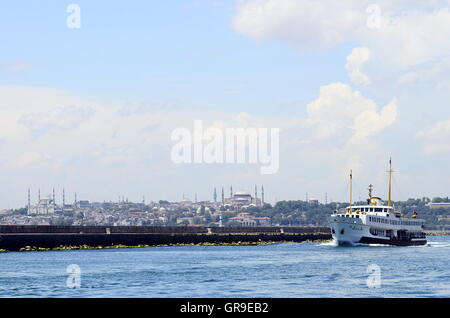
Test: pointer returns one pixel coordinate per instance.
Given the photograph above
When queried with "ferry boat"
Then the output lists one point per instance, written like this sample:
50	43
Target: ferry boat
376	223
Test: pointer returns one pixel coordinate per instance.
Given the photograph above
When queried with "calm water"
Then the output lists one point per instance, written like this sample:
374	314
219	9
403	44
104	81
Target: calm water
279	270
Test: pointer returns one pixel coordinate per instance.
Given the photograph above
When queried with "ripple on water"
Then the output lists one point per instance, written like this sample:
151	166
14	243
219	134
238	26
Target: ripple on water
281	270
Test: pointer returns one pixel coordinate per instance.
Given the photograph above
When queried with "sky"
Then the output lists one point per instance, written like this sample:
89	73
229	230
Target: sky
89	98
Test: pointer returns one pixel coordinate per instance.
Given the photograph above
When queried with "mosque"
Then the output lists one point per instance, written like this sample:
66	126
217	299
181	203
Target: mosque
241	198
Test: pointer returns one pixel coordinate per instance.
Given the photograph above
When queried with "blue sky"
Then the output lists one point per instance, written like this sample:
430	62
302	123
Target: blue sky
160	50
277	64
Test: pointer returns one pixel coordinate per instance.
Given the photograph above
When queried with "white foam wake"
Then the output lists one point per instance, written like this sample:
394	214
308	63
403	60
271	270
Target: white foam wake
438	244
330	243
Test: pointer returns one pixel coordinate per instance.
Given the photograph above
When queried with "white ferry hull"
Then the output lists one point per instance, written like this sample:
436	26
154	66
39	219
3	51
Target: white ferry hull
349	234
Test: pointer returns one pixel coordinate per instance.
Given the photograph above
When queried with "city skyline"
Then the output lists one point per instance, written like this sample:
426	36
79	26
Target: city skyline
69	198
63	198
93	106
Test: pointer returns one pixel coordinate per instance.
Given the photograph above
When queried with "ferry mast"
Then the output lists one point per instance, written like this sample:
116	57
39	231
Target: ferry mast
351	189
390	182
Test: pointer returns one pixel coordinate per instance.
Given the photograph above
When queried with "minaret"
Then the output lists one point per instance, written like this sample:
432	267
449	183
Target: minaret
39	196
64	199
215	195
75	203
29	201
326	198
231	191
262	195
223	197
196	198
54	200
256	195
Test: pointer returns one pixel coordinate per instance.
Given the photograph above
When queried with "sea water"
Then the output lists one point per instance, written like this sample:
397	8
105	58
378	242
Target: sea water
274	270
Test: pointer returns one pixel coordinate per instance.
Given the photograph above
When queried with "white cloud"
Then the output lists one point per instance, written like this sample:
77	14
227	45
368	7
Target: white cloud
37	121
412	37
339	110
92	144
355	63
59	118
408	58
410	33
303	23
343	123
28	159
370	122
434	72
437	138
437	149
438	131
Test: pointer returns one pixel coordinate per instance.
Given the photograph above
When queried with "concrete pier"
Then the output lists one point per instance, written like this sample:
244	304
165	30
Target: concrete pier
15	237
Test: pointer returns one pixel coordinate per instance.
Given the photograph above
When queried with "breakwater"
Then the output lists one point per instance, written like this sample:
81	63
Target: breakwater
16	237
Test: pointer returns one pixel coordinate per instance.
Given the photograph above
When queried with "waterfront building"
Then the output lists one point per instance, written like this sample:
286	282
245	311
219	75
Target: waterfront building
440	205
246	219
83	204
